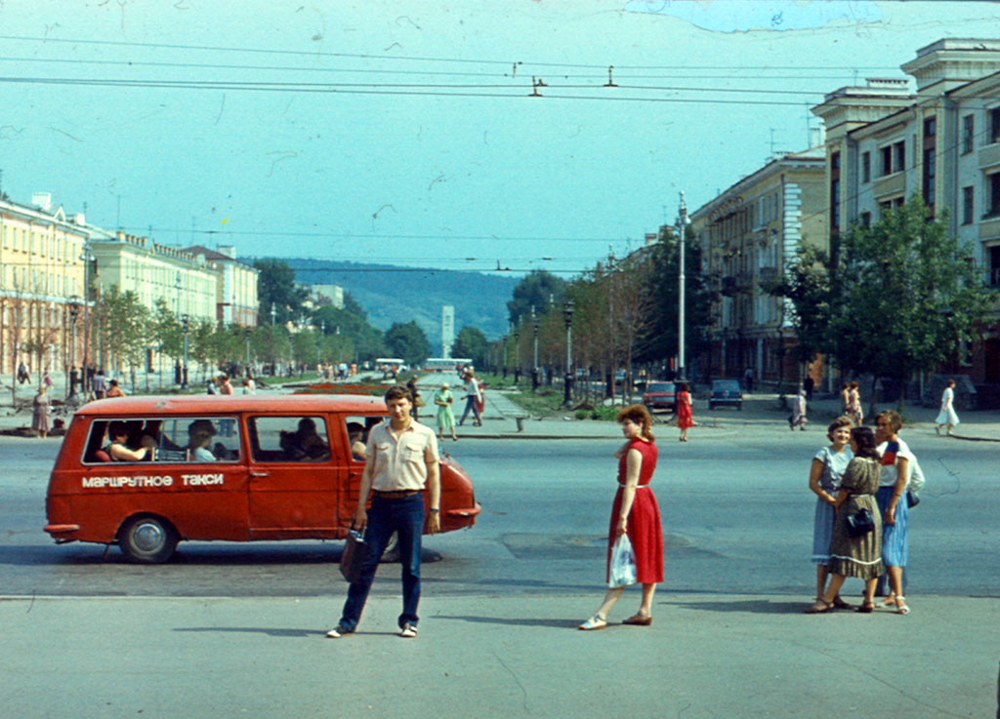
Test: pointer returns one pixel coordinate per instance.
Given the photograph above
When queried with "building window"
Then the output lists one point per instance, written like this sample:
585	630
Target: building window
899	156
835	203
866	167
994	125
968	194
885	158
866	219
993	190
930	127
968	131
994	278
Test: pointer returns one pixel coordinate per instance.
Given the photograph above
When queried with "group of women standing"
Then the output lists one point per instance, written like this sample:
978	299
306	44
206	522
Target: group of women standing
862	510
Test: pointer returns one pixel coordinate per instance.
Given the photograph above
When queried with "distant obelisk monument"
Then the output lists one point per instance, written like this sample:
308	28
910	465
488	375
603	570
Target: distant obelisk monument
447	330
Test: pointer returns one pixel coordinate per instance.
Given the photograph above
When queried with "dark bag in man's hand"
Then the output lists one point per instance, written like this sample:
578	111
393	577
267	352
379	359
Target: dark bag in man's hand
354	555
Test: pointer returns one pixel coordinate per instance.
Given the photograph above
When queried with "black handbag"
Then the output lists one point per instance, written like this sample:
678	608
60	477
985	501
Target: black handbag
860	523
353	557
912	498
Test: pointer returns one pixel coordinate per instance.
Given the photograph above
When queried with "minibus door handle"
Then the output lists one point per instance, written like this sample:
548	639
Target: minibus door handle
259	474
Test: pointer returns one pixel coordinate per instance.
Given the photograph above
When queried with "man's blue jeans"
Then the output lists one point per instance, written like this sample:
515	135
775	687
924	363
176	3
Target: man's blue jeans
406	518
471	404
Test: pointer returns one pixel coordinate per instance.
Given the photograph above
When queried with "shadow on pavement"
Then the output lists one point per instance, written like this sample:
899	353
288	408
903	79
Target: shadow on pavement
518	622
754	606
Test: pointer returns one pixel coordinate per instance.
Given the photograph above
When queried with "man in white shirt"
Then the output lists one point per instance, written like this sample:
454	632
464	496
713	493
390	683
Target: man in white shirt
401	461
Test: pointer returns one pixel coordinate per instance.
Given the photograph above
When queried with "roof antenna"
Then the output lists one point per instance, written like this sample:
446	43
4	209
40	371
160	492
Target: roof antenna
611	79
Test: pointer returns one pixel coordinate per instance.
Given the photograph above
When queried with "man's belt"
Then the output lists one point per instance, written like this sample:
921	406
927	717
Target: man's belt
399	494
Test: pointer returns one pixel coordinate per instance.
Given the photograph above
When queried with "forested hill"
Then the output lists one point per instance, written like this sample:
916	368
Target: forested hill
401	294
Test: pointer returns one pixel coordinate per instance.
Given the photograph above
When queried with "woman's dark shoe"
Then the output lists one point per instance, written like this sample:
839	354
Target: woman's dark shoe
839	603
866	608
639	620
820	607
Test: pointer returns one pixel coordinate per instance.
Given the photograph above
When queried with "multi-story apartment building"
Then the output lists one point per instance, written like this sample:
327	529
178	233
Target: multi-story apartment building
886	144
236	290
42	279
746	236
153	271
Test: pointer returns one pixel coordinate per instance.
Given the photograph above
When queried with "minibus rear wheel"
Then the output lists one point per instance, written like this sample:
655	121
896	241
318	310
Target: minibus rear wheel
148	539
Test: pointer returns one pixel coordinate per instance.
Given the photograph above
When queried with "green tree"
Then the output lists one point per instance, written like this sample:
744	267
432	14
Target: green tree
167	332
471	343
270	343
407	341
659	340
538	289
124	327
305	349
906	295
276	287
806	284
351	323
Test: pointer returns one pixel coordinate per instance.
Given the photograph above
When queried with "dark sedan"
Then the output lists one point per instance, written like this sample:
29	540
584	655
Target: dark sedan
659	396
726	391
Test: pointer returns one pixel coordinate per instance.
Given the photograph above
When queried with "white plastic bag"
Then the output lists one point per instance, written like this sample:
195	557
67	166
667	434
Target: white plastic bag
622	571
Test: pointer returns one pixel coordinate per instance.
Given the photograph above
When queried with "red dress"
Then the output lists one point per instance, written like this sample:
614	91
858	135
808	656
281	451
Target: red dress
684	418
643	527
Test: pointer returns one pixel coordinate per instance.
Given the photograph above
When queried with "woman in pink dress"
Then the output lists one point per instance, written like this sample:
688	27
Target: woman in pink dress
684	417
635	513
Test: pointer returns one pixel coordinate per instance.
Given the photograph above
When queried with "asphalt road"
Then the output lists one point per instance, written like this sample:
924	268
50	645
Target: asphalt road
737	519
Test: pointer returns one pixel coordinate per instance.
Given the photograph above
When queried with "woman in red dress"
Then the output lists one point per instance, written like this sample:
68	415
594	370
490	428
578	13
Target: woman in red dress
684	418
635	513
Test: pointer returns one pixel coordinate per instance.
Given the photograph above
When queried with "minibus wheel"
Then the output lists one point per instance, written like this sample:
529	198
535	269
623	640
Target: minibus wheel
148	539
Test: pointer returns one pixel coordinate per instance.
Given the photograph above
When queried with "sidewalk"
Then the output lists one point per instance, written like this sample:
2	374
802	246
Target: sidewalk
704	656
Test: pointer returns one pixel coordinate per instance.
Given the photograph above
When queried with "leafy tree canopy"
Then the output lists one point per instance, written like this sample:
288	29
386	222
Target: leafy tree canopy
409	342
276	286
471	343
538	289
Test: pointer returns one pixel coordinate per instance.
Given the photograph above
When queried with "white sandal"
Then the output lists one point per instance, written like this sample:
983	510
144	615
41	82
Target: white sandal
595	622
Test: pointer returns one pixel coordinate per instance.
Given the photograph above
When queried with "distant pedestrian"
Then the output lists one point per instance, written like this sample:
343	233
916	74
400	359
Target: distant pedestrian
748	379
100	385
636	514
854	409
443	400
415	394
825	473
225	386
798	416
40	413
114	390
210	386
46	380
685	417
472	400
249	385
856	555
845	398
808	384
22	373
947	416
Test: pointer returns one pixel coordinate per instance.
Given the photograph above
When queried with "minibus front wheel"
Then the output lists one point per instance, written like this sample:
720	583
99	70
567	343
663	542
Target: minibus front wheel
148	539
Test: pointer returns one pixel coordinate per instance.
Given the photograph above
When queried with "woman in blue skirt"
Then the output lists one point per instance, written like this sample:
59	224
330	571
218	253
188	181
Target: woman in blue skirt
825	474
897	459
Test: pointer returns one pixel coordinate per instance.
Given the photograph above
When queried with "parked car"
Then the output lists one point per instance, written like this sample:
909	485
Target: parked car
234	468
726	391
660	396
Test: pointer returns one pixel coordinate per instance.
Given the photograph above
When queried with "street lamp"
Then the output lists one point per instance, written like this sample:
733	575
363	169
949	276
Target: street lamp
682	222
248	331
568	317
517	352
74	304
534	366
184	371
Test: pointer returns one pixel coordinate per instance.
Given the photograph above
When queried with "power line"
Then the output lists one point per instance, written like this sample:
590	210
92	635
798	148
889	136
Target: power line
350	236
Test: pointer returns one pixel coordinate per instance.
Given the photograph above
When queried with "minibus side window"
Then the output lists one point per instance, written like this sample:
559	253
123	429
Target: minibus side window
289	439
193	439
357	430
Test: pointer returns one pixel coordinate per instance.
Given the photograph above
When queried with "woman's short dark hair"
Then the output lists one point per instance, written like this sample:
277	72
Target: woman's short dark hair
864	439
682	387
837	424
638	414
398	391
117	429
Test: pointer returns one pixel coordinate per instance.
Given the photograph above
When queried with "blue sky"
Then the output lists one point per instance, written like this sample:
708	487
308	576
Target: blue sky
412	132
